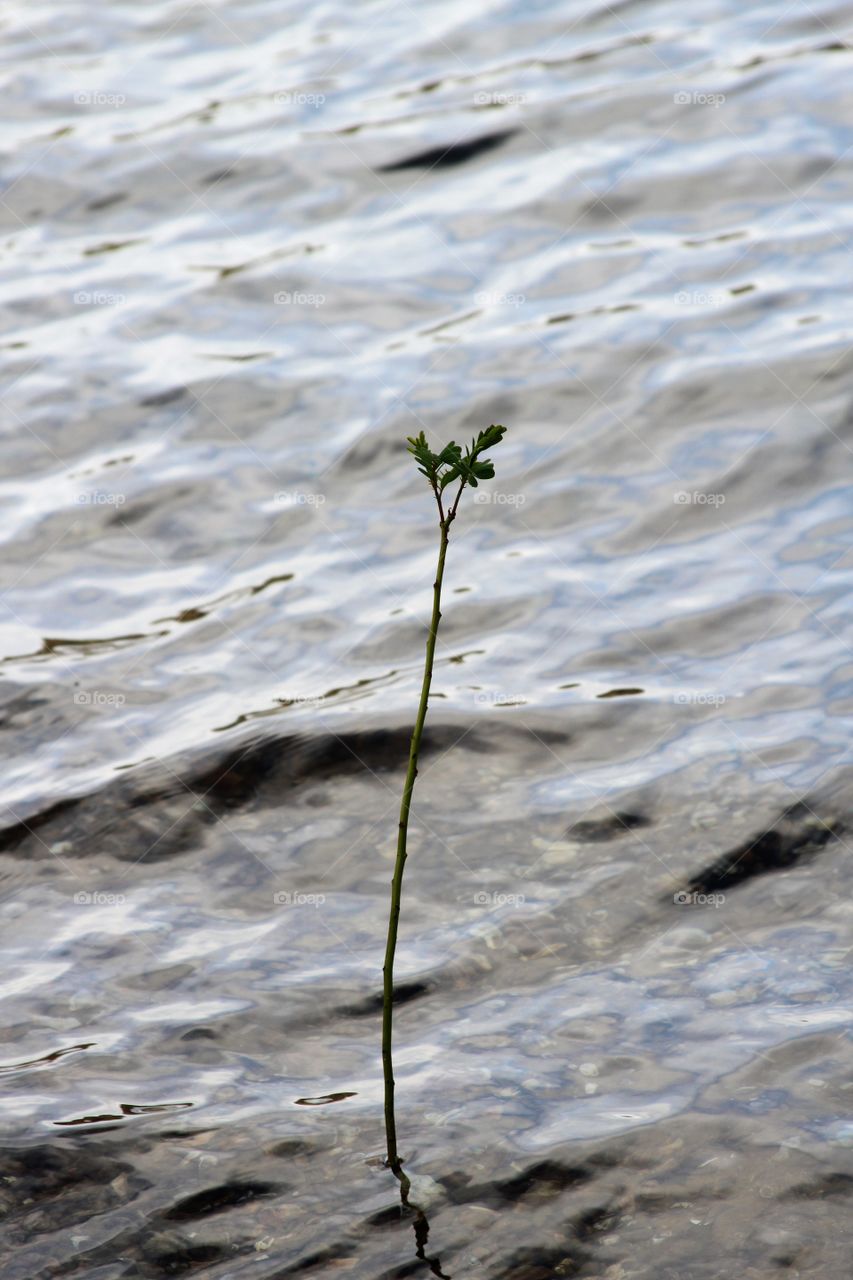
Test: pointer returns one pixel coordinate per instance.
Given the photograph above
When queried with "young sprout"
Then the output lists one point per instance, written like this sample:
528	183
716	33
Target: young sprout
442	470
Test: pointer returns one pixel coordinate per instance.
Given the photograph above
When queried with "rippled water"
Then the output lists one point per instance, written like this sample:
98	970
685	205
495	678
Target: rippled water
248	248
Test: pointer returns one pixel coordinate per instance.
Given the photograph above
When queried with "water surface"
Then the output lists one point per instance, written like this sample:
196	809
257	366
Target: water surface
248	249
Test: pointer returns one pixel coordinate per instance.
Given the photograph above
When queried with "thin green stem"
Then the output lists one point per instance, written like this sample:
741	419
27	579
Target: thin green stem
397	880
441	470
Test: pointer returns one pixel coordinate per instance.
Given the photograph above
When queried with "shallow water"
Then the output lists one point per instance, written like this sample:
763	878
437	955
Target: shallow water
247	250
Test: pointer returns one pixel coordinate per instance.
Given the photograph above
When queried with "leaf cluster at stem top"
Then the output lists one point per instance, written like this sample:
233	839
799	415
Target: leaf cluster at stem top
454	463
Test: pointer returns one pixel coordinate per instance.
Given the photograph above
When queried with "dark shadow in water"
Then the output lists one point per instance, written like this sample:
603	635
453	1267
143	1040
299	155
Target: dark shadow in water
450	154
46	1060
324	1099
214	1200
798	835
124	1109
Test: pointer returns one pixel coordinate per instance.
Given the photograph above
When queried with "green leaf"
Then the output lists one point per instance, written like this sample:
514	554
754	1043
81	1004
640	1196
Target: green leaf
427	461
441	469
450	453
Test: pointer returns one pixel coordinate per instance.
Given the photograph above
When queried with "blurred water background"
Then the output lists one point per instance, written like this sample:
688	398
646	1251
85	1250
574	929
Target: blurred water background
247	249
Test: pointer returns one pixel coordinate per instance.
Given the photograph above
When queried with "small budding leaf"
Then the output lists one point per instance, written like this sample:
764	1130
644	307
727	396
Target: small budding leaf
441	469
423	455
